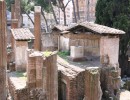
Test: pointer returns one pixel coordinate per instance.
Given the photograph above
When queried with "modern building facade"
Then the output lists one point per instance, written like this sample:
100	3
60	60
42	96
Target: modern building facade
86	9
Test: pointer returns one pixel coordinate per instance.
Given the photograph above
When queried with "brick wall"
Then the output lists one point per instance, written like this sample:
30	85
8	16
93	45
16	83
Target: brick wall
109	46
42	74
74	86
17	94
21	55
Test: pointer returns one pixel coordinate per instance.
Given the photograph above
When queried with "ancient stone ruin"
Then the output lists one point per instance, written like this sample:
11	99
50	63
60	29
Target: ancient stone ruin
85	68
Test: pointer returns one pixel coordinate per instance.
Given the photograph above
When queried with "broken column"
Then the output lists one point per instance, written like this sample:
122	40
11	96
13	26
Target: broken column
34	69
37	28
50	77
31	71
110	81
3	53
92	84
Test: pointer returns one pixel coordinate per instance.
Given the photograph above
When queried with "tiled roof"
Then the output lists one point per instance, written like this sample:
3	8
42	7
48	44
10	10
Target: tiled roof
22	34
60	27
96	28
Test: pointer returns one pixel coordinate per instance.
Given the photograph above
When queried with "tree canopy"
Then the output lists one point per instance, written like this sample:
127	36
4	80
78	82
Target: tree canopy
115	13
45	4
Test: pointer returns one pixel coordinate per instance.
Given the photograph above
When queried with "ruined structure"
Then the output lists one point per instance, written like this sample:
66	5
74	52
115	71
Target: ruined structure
41	74
41	82
21	36
100	48
3	53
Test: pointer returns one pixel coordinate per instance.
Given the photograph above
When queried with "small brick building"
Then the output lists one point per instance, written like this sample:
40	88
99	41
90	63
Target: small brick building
101	49
56	31
21	42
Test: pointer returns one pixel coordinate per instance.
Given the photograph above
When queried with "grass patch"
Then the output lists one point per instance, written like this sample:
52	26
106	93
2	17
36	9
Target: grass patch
64	54
47	53
22	75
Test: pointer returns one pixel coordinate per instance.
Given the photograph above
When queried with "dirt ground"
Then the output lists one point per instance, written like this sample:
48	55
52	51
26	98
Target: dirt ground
124	95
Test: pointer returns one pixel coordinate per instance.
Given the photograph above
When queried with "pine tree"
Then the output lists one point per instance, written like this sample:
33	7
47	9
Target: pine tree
116	14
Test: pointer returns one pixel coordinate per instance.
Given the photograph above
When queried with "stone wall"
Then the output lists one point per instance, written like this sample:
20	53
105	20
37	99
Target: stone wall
21	55
64	43
91	47
55	37
91	43
22	94
47	42
74	86
92	84
42	74
110	81
109	50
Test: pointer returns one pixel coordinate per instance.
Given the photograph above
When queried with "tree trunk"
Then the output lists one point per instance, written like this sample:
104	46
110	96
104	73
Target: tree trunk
64	17
53	13
77	5
30	18
74	13
45	20
88	10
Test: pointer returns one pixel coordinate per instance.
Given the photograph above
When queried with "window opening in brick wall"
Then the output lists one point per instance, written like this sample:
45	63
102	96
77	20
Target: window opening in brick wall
63	90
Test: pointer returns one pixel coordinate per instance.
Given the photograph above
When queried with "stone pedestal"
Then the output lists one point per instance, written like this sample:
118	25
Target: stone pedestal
92	84
77	52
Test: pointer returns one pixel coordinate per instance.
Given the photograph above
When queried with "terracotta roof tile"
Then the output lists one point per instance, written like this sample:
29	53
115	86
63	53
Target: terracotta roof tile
96	28
22	34
60	27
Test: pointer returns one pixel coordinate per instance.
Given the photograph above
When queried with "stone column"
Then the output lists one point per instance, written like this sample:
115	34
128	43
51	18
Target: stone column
12	11
31	71
14	23
50	77
37	28
3	53
92	84
18	11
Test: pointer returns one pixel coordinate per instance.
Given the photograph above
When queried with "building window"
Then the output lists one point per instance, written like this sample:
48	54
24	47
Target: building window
63	91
